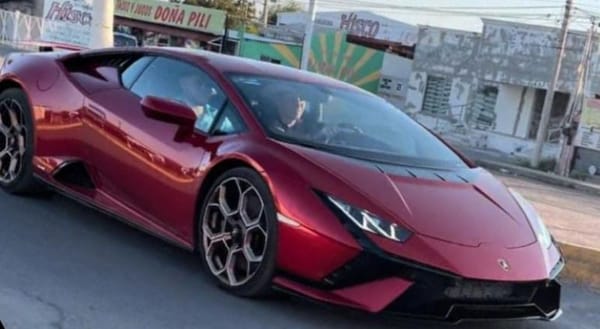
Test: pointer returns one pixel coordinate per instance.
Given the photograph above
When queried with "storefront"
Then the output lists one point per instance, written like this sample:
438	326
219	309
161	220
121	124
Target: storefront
159	23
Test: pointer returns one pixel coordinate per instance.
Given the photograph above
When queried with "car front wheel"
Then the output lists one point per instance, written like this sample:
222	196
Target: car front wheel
16	143
238	233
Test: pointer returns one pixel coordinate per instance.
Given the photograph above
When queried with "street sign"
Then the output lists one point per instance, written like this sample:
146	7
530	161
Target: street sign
68	22
173	14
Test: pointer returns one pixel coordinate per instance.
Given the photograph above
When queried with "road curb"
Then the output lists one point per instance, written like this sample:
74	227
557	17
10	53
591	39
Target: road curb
582	264
541	176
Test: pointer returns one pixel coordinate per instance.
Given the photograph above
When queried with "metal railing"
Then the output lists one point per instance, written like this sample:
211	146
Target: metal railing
19	30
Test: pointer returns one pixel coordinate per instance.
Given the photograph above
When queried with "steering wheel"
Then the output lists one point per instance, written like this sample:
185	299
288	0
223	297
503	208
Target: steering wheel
331	133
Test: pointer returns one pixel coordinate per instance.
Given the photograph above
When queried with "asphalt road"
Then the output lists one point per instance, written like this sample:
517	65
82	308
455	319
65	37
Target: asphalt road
65	266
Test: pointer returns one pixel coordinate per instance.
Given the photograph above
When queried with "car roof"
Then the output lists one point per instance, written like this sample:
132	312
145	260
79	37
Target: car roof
231	64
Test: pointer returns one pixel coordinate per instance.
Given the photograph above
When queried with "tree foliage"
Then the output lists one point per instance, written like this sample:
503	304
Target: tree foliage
238	11
288	6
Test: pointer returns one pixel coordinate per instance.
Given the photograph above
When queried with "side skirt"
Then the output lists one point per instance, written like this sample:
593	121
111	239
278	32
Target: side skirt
91	204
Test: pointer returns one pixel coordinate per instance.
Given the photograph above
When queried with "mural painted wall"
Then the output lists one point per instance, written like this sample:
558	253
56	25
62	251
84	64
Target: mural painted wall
280	53
333	56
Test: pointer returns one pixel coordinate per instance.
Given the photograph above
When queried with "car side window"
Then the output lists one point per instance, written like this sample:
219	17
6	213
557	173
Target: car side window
133	71
230	122
185	83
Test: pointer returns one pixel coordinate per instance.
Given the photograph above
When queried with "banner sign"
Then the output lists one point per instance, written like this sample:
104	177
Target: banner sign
588	133
360	23
67	22
173	14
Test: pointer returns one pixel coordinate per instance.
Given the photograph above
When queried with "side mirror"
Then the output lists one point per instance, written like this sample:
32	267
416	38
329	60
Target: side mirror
168	111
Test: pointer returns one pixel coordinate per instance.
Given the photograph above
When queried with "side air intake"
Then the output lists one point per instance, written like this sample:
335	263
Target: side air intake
74	174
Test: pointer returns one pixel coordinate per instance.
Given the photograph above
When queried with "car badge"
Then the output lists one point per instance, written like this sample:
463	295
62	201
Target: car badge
504	265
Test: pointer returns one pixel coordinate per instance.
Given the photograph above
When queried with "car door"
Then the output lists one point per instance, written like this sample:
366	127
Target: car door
146	164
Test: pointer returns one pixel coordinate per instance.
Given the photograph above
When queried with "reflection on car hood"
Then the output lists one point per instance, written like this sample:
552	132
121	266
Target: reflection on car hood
468	207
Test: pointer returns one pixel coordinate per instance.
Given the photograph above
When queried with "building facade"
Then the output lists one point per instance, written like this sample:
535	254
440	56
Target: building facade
487	89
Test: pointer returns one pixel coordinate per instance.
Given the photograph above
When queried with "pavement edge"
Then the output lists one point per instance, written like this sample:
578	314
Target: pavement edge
582	264
541	176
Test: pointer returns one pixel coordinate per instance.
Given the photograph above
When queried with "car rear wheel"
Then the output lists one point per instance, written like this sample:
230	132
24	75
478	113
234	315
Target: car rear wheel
16	143
238	233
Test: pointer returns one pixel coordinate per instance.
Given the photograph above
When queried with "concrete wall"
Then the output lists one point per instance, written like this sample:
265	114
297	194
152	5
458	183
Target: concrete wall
446	52
524	55
416	91
505	52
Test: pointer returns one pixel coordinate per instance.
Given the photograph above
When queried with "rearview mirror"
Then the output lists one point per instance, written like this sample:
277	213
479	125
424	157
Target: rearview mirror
168	111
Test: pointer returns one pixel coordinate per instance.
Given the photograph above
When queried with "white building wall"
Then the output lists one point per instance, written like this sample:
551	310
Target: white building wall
526	115
396	66
395	76
507	107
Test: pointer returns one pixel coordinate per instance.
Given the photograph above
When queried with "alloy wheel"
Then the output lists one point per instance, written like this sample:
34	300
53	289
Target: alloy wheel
235	231
12	140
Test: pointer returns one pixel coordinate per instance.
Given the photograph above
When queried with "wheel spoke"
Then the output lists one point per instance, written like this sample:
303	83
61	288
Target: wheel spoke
21	144
219	237
14	162
14	121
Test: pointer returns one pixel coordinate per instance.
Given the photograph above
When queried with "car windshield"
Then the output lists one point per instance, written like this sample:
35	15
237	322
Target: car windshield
342	120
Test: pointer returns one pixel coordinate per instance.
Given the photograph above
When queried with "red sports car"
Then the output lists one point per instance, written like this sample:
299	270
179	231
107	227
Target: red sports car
277	178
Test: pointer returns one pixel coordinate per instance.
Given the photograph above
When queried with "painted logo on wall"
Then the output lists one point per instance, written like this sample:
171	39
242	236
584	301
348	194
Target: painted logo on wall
333	56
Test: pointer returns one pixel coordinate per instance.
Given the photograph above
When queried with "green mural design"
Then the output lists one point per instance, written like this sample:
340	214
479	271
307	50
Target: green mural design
288	55
333	56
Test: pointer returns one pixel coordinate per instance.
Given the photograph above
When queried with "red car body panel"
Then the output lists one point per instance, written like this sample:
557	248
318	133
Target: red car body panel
151	174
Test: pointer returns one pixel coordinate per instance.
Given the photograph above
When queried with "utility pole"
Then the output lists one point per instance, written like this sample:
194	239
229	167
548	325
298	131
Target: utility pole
102	25
542	132
308	34
265	13
567	149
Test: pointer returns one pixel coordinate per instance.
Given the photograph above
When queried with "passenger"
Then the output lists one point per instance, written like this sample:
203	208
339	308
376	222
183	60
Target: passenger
199	93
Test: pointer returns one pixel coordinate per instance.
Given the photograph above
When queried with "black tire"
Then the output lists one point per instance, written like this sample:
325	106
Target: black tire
261	282
24	182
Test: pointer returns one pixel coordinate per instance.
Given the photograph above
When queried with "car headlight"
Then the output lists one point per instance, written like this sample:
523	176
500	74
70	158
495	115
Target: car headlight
541	231
371	223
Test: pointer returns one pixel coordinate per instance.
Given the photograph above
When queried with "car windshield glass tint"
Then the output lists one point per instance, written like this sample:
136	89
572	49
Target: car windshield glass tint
342	120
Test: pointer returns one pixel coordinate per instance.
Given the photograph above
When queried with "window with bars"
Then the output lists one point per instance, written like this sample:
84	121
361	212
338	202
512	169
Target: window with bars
483	110
437	96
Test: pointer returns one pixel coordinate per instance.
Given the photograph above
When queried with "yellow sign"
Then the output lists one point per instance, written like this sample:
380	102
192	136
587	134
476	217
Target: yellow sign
590	117
588	133
183	16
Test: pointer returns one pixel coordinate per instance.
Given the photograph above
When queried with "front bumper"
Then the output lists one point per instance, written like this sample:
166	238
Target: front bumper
378	283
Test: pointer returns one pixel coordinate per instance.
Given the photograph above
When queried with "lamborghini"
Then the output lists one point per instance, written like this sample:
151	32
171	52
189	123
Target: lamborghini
277	179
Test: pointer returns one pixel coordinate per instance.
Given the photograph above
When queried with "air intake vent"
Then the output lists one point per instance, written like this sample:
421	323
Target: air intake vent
74	174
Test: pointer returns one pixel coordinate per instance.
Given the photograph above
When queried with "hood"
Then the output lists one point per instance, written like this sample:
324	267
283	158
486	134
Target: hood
467	207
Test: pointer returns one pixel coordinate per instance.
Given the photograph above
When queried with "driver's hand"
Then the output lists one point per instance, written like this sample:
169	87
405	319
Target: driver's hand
199	110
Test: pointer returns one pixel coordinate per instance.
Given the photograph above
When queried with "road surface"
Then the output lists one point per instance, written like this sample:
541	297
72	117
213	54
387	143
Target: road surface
65	266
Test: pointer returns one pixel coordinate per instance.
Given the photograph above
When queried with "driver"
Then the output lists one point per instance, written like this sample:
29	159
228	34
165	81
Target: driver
289	109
